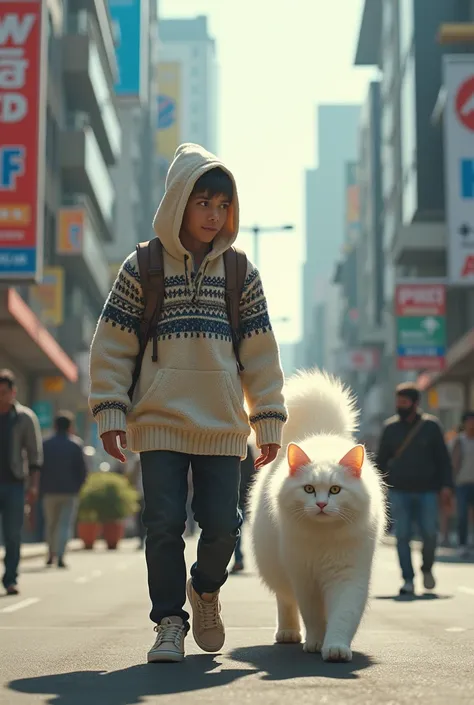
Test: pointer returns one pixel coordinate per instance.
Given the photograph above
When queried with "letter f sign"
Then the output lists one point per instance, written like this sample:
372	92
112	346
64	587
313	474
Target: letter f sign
12	166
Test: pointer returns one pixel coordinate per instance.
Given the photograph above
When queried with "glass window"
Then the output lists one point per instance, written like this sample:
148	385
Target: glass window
104	97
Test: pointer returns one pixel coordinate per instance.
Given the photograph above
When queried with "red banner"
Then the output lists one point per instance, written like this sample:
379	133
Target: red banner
22	113
420	300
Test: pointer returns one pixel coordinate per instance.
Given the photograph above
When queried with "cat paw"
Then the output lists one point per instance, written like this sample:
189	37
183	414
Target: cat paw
337	653
312	646
288	636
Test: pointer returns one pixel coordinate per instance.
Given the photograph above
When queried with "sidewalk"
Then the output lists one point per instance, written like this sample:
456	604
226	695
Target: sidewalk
38	550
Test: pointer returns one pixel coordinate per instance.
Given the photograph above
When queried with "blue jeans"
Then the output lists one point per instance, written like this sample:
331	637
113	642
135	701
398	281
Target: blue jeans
238	555
420	508
59	514
12	507
465	499
216	482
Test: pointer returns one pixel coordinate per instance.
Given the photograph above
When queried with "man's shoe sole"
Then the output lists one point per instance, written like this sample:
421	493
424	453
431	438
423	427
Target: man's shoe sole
202	646
165	657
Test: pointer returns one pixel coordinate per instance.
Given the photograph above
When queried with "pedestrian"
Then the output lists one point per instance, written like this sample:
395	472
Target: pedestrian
247	472
188	404
21	456
415	461
463	468
63	473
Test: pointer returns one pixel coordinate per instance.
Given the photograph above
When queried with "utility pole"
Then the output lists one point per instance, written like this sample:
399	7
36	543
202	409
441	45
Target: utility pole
257	230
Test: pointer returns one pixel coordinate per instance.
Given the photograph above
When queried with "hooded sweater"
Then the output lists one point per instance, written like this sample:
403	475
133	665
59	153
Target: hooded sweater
192	400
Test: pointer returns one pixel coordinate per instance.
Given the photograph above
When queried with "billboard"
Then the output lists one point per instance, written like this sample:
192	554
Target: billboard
168	134
49	297
70	231
131	26
420	311
22	114
352	203
459	166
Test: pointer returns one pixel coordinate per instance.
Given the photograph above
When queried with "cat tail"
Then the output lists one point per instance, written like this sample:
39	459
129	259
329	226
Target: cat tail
318	403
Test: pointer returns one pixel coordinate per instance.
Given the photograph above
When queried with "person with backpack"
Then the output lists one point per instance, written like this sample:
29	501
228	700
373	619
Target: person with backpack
414	459
184	335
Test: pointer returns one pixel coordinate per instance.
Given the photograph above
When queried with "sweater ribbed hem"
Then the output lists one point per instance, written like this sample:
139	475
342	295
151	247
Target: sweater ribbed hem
145	438
111	420
268	431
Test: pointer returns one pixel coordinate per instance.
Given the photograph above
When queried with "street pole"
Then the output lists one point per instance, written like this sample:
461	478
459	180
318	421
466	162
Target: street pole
256	231
256	246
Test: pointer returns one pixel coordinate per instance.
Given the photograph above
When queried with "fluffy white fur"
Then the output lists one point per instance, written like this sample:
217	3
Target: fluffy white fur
317	563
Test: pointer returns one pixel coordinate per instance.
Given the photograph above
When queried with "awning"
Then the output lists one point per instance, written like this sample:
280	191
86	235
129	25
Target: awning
27	341
459	364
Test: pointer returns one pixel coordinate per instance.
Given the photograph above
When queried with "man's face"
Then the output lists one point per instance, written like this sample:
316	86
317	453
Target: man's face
205	217
405	406
7	397
469	426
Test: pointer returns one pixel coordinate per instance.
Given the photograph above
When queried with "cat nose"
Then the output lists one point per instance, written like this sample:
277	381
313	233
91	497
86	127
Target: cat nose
321	505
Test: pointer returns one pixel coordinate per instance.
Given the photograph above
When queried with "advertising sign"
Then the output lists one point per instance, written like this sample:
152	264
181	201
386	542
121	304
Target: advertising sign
421	326
22	114
131	25
169	111
49	297
352	203
70	232
45	412
459	166
360	359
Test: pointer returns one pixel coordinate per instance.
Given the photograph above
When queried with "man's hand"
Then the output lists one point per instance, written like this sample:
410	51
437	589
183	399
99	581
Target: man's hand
268	453
446	496
109	441
32	495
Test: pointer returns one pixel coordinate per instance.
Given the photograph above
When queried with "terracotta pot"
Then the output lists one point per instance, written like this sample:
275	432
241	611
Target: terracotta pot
88	532
113	531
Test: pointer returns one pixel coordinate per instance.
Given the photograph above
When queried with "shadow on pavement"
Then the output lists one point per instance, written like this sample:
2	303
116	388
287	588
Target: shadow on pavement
453	558
284	661
423	597
129	686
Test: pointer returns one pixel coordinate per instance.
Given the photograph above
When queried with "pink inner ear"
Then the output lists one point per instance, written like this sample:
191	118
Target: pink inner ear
297	458
353	460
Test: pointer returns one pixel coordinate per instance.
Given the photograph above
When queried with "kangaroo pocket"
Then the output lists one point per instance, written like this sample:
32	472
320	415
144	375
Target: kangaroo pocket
190	399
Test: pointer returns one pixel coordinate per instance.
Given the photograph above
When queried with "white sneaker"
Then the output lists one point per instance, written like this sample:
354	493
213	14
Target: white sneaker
407	588
169	643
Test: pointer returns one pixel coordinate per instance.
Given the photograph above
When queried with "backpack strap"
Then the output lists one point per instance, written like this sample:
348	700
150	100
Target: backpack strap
152	280
235	265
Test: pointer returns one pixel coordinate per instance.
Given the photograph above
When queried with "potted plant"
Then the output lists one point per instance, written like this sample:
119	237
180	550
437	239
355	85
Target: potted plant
88	526
111	499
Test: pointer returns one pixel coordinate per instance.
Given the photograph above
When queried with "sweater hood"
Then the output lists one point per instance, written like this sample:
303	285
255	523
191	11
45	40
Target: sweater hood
190	162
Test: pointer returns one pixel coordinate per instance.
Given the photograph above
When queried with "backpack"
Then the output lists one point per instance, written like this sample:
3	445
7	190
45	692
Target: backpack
152	278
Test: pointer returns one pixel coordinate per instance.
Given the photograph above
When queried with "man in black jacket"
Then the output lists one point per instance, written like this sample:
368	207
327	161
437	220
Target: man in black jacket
415	462
62	476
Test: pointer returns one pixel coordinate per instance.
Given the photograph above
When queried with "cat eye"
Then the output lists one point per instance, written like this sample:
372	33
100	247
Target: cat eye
309	489
335	489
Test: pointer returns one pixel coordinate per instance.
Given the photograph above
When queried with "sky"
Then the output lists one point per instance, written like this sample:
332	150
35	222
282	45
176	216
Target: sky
277	63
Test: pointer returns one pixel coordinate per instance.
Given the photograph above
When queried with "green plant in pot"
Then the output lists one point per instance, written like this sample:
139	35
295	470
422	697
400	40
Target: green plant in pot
110	499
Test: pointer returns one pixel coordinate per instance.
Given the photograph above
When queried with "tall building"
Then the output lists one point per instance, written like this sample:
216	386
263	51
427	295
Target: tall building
57	211
325	230
409	40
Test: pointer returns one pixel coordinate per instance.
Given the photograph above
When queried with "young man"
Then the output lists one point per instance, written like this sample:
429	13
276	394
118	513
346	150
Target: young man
463	467
21	456
63	473
188	405
413	456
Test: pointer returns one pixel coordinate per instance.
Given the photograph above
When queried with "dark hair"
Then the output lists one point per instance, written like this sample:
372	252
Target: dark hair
7	377
215	182
408	390
467	415
63	421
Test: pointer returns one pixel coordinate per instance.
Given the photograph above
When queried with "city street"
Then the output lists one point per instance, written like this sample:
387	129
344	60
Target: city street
80	637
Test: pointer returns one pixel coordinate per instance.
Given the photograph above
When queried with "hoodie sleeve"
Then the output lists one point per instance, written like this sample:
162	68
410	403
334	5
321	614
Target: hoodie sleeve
114	349
262	377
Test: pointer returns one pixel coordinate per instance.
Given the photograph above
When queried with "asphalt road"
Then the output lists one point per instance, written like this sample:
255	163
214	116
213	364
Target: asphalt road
79	637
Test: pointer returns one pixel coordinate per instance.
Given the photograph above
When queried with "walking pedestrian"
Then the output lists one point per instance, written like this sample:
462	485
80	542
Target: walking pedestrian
188	404
463	468
415	461
63	473
21	456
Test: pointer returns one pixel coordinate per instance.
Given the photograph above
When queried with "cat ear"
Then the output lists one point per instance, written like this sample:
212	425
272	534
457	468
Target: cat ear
297	458
353	460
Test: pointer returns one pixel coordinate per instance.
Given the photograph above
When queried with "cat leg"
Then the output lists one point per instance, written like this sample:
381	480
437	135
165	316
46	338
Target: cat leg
288	629
312	610
345	604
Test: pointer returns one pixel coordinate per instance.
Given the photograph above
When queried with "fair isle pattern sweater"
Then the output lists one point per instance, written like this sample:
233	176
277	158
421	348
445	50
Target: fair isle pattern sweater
192	399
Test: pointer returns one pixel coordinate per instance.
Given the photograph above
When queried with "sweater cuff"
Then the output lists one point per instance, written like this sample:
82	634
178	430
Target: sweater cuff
111	420
268	431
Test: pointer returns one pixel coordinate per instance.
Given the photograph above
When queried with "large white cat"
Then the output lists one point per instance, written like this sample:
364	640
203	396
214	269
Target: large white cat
317	514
